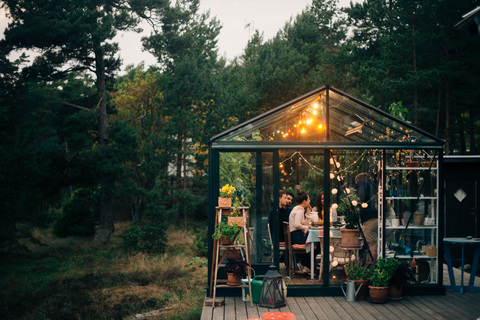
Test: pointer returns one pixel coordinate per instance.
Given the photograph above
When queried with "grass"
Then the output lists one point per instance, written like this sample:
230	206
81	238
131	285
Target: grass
73	279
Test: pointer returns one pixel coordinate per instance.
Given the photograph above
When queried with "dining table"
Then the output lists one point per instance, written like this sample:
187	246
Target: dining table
447	242
315	235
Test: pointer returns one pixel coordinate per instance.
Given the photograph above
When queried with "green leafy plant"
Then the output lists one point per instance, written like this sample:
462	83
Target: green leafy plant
357	270
401	275
150	238
350	213
384	271
224	229
237	266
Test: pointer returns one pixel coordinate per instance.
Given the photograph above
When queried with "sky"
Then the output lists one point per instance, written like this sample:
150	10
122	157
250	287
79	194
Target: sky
239	19
267	16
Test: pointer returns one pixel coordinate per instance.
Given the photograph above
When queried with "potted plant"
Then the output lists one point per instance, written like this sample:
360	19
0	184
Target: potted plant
382	273
235	268
227	192
226	232
235	216
350	234
400	277
361	273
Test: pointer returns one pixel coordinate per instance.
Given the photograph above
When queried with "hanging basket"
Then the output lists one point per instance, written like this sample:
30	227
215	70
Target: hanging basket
236	220
224	202
350	238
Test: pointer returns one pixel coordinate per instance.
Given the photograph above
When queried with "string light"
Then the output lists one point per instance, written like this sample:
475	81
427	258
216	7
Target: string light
364	205
334	191
354	203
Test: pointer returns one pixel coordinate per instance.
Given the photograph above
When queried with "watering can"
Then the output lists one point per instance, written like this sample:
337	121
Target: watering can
351	294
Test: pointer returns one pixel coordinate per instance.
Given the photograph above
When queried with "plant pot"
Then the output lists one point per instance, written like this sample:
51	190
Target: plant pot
378	294
226	240
350	238
236	220
418	218
395	293
224	202
233	280
363	292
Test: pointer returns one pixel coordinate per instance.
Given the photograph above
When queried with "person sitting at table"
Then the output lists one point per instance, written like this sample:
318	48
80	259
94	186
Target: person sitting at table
299	226
319	208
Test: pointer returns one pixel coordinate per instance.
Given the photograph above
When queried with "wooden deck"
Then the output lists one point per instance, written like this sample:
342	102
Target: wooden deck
453	305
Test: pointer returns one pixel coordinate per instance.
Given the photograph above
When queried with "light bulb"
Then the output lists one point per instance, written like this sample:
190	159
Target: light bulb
331	160
334	206
332	249
334	264
332	176
347	190
334	191
354	203
364	205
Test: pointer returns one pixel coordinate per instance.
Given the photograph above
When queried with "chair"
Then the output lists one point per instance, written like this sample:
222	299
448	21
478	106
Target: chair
281	244
292	249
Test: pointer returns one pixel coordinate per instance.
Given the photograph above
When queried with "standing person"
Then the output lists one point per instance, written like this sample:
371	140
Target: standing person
283	214
299	225
368	215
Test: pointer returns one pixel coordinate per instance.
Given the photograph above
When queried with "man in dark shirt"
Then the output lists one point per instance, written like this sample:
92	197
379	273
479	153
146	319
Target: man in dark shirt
283	214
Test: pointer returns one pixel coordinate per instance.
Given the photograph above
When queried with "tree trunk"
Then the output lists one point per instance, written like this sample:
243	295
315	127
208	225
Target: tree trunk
106	226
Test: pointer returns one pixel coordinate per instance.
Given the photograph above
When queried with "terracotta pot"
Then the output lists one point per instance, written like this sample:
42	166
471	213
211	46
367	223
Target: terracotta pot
233	280
350	238
395	293
378	294
363	292
235	220
418	218
225	202
226	240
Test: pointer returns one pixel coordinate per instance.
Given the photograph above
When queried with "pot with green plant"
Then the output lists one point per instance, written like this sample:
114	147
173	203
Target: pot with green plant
350	234
382	273
226	232
401	276
235	268
360	273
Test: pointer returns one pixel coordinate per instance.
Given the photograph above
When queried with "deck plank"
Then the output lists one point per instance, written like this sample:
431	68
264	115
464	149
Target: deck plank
240	309
317	309
349	307
306	308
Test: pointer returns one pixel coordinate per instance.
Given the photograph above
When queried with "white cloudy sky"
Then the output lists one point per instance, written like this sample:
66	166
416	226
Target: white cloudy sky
268	16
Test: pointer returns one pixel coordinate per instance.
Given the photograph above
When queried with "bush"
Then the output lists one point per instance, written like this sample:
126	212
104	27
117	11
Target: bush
200	242
150	239
78	215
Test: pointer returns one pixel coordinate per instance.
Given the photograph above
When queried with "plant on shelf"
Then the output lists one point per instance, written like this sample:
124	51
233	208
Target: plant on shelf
226	232
400	277
360	272
350	234
236	216
227	192
235	268
382	273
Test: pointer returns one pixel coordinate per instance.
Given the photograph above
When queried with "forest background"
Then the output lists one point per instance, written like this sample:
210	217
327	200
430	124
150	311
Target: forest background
84	151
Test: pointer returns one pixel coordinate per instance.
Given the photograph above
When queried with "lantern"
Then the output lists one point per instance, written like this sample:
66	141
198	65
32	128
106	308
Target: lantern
272	295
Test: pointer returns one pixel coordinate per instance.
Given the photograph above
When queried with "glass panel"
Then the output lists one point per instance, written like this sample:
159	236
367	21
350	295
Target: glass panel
302	121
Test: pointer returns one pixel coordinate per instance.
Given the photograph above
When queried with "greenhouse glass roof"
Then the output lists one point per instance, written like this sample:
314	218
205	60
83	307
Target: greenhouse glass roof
309	118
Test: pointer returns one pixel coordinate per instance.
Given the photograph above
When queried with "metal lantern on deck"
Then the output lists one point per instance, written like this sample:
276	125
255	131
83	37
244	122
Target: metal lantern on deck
272	295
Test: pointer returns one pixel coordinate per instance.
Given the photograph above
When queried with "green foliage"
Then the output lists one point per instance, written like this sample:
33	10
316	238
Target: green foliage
349	212
149	238
384	271
79	214
358	270
200	242
402	275
224	229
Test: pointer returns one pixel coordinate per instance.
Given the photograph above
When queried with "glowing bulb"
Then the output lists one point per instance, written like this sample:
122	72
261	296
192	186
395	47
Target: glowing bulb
303	130
314	112
281	165
347	190
332	176
334	191
332	249
320	126
364	205
309	121
337	164
334	264
339	178
354	203
334	206
315	105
